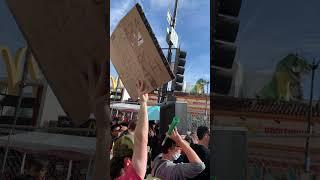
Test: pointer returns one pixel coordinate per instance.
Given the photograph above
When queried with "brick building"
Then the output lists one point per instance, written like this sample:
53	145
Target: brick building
276	138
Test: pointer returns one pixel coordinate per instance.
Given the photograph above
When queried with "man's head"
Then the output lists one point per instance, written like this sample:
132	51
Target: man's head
121	116
122	156
203	134
115	130
170	149
124	126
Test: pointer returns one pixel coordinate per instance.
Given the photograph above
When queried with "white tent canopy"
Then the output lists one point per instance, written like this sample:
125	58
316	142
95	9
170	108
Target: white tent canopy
124	106
43	142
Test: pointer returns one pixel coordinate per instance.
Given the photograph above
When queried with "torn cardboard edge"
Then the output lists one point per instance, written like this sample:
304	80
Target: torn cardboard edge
156	43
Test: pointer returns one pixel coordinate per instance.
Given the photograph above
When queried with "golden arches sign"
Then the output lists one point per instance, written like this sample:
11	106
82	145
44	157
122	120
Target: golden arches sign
14	70
115	82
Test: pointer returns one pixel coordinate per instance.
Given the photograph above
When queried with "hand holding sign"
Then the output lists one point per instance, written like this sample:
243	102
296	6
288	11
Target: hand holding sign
136	54
142	91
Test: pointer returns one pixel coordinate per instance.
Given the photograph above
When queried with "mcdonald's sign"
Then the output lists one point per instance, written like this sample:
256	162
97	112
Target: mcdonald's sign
14	69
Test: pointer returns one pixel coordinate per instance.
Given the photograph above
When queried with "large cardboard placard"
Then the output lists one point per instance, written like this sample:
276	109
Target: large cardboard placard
65	36
136	54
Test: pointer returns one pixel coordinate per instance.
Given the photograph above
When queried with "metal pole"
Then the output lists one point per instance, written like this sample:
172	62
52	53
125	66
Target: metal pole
89	169
23	163
17	109
169	56
309	129
207	82
69	170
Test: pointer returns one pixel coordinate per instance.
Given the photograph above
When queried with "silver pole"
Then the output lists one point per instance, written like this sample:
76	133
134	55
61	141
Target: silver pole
89	169
17	109
69	169
23	163
307	162
208	96
169	56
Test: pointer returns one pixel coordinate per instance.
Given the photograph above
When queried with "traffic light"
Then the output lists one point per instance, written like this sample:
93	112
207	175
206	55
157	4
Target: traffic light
225	25
179	67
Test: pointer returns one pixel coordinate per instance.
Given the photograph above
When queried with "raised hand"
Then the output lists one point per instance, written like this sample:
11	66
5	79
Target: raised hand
142	91
175	136
94	81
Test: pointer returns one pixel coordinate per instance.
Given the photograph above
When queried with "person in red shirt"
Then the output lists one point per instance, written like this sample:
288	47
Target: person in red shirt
95	83
129	161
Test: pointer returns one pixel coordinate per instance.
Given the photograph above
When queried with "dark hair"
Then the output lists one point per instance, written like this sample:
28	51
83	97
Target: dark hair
201	131
169	144
189	139
113	127
116	166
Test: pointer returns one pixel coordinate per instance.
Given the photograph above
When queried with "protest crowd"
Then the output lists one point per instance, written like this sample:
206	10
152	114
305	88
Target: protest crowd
180	157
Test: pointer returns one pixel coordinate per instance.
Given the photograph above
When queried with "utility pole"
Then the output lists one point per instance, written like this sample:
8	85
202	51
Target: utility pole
169	56
208	96
314	67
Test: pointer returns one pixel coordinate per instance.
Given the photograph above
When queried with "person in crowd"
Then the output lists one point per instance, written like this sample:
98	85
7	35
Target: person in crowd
35	170
115	132
127	137
165	168
189	139
203	151
122	117
124	126
129	160
153	143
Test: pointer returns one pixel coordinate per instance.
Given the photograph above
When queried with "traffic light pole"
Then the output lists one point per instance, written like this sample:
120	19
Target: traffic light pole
314	67
169	56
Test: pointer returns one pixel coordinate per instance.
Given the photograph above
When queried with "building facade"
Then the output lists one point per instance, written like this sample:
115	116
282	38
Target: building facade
276	138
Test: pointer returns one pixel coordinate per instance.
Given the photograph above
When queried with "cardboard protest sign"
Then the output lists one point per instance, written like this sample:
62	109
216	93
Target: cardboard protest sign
65	36
136	54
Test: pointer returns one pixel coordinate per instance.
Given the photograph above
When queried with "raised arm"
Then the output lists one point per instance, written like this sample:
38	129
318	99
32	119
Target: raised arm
190	153
140	153
95	82
102	158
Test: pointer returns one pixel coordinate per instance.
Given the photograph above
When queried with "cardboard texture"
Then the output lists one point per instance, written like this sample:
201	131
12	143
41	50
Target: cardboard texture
65	36
136	54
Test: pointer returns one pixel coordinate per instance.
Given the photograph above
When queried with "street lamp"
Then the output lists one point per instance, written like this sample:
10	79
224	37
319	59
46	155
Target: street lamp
314	67
208	96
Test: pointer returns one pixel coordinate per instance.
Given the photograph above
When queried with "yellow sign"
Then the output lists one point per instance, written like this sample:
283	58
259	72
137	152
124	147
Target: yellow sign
115	82
14	70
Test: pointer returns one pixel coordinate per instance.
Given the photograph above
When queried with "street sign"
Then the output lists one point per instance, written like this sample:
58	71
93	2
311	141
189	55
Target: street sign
173	39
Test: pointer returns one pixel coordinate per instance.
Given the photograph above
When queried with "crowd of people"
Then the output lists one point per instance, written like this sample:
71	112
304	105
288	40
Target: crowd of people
137	153
136	150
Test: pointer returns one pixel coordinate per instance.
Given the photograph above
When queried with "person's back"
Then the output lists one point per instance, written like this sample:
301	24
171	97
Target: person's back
204	155
203	151
168	170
